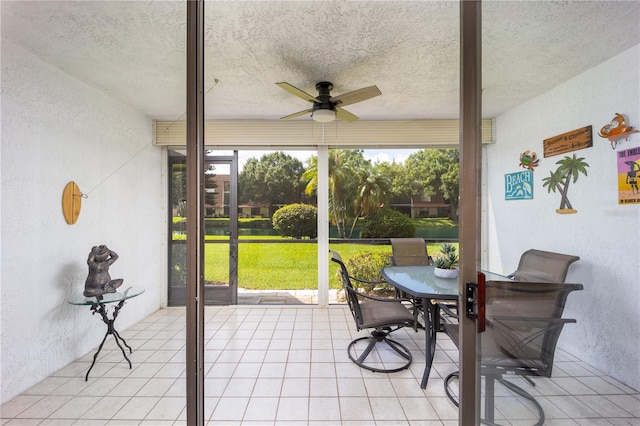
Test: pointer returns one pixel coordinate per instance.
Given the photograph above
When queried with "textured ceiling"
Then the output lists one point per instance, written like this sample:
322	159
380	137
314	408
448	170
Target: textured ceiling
135	51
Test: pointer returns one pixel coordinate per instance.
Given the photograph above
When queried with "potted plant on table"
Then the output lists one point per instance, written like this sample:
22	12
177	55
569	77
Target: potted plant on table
446	262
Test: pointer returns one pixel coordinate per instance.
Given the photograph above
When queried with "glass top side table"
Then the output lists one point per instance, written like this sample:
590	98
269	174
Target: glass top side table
98	305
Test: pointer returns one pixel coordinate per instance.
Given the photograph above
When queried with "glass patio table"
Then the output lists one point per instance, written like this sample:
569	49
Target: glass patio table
421	283
98	305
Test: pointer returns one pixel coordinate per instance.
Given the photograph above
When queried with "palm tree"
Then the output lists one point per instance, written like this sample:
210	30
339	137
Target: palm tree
337	206
373	189
354	188
569	168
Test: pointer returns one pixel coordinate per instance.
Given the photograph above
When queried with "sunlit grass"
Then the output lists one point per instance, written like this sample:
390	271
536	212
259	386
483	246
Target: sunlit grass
434	222
282	266
286	265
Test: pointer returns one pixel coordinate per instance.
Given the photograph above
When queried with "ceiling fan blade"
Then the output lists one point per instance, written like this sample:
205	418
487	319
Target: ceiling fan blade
356	96
344	115
296	114
295	91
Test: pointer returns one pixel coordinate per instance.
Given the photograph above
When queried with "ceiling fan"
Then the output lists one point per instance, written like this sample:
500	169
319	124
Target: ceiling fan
327	108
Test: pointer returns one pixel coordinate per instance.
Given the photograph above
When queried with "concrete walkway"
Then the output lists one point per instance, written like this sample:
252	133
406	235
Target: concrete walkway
282	297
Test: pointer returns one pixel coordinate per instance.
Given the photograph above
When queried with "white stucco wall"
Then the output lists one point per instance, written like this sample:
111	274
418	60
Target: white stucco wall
56	129
603	233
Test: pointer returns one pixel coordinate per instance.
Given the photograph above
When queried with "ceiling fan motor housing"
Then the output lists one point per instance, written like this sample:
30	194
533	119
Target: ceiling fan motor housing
325	107
324	89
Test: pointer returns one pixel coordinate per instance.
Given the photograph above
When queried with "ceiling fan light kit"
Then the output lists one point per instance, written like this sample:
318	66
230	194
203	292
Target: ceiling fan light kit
323	115
327	108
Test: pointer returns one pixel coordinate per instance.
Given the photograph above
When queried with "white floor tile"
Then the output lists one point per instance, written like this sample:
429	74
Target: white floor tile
354	408
128	386
629	403
230	409
168	408
136	408
293	409
44	407
387	408
323	386
261	409
155	387
418	408
18	404
329	409
266	387
106	408
573	407
75	408
239	387
352	387
288	366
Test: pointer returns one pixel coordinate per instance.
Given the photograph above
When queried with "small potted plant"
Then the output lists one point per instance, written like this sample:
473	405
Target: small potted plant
446	262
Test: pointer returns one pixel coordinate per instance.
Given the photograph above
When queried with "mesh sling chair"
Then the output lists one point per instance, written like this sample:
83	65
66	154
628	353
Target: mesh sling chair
411	252
524	321
382	315
537	265
543	266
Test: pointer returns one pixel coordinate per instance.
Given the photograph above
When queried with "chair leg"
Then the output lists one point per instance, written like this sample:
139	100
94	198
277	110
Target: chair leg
523	393
452	397
375	338
489	396
489	402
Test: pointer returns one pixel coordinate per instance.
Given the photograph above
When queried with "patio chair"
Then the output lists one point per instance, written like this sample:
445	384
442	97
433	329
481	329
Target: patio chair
543	266
383	316
409	251
413	251
524	321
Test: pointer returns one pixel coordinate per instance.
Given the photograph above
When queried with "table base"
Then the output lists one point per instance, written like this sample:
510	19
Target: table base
432	323
111	330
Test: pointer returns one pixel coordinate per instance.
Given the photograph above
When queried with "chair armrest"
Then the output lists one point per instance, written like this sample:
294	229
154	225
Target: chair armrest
360	280
530	319
445	308
379	299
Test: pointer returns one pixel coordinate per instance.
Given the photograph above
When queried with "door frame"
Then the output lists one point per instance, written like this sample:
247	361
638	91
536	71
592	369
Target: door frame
470	203
219	294
227	295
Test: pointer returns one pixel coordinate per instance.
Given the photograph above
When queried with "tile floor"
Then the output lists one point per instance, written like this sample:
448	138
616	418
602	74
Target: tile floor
287	365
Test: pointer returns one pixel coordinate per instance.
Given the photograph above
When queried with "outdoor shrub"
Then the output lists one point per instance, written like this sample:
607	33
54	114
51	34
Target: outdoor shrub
388	223
296	220
366	266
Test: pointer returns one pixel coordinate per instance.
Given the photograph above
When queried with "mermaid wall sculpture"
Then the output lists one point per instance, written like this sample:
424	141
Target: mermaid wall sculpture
99	281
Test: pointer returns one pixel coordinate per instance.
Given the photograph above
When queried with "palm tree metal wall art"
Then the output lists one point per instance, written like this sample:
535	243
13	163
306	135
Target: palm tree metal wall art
569	168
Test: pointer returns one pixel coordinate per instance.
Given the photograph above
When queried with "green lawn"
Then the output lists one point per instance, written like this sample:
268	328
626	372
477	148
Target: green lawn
274	266
290	266
434	222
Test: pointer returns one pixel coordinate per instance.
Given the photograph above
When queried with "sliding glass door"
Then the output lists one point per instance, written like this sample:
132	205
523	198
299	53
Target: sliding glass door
221	230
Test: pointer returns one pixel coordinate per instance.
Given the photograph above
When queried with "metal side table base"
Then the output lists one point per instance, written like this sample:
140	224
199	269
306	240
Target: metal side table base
102	310
97	304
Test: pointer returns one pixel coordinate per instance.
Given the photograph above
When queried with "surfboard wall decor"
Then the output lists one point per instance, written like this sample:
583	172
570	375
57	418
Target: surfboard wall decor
71	202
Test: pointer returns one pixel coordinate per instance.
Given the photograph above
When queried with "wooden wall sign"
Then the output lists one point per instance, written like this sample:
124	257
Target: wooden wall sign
567	142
